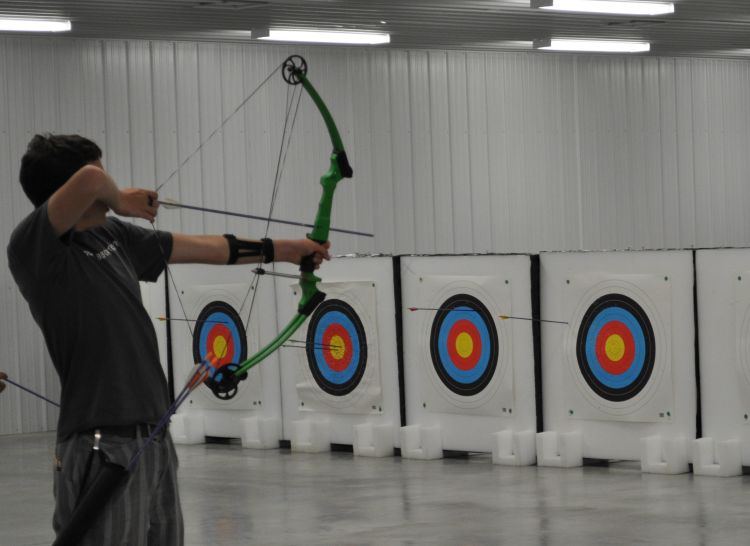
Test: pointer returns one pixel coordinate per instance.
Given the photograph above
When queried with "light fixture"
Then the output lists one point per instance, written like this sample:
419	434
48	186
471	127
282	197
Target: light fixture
327	37
595	46
614	7
34	25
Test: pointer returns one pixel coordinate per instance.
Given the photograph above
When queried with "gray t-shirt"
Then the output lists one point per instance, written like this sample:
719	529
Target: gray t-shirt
83	292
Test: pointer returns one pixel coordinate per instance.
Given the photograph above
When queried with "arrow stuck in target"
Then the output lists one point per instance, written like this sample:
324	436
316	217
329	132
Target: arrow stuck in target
501	317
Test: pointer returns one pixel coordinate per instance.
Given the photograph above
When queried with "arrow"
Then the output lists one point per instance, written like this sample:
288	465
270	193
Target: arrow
169	204
163	319
30	391
304	345
507	317
501	317
261	271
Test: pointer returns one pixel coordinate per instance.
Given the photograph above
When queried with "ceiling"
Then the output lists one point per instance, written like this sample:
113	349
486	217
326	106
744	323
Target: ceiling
697	28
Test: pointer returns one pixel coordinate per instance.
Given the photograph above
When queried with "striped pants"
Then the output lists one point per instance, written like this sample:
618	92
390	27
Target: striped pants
144	512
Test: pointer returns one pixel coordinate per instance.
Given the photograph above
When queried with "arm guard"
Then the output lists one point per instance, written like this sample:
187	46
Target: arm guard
239	248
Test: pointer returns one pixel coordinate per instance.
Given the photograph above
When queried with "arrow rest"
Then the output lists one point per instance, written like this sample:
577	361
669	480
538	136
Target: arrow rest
292	67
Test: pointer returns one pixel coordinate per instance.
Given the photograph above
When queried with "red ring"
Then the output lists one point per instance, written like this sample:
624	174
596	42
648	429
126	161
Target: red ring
464	326
337	365
221	330
613	367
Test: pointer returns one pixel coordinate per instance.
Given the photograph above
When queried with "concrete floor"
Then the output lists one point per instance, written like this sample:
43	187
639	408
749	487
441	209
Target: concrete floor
232	496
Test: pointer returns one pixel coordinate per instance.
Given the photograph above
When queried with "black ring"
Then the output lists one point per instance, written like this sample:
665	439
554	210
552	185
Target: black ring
483	314
639	383
332	388
226	388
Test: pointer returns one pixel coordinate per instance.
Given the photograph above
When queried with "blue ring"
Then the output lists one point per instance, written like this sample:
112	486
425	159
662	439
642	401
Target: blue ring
606	316
326	320
465	377
220	316
611	387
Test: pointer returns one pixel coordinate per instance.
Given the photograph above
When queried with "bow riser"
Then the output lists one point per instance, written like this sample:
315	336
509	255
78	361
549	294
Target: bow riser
311	296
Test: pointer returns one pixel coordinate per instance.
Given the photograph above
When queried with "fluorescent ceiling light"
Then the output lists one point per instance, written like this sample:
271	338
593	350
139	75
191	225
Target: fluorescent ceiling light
599	46
327	37
34	25
606	6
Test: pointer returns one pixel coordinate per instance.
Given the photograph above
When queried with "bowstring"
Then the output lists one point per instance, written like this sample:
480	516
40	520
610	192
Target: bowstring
219	128
173	174
292	108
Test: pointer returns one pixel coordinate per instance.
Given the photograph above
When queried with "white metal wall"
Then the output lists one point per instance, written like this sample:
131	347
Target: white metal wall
452	151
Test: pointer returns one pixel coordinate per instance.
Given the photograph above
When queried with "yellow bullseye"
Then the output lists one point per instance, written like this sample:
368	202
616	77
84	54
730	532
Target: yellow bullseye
614	348
220	346
337	349
464	345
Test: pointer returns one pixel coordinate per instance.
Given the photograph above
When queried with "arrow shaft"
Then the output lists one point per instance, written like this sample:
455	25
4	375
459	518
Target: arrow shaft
505	317
164	319
261	271
31	392
174	204
305	344
502	317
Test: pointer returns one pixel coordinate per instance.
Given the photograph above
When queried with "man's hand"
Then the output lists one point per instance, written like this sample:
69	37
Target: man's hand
137	203
2	385
294	250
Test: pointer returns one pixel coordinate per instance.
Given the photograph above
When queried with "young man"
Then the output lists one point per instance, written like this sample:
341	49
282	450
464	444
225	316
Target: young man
79	270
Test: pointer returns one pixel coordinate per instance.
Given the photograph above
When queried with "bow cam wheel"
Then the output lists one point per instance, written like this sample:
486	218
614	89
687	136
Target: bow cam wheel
225	383
292	68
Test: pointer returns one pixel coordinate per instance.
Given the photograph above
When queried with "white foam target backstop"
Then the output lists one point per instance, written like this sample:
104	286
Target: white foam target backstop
723	278
225	290
343	370
623	368
467	370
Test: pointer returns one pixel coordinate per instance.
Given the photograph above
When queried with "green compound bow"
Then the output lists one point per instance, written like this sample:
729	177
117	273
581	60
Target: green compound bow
226	379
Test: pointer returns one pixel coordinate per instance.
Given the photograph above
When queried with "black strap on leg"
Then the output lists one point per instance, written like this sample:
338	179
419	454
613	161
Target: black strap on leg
88	508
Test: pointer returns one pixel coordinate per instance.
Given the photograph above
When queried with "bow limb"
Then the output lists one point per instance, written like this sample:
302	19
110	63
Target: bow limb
280	339
295	72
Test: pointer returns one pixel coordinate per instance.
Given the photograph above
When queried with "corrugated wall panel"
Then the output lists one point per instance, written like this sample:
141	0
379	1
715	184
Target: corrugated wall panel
453	151
10	300
440	142
421	161
400	133
186	185
477	159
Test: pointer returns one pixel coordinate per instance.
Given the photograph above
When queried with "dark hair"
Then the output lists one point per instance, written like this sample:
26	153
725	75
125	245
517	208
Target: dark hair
50	160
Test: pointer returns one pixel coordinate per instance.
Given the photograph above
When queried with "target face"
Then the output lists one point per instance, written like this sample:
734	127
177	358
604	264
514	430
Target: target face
464	345
615	347
219	330
336	347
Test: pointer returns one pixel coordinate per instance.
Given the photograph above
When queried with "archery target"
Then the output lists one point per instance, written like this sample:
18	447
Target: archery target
618	353
466	370
219	331
339	368
218	328
615	347
464	345
466	351
336	347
